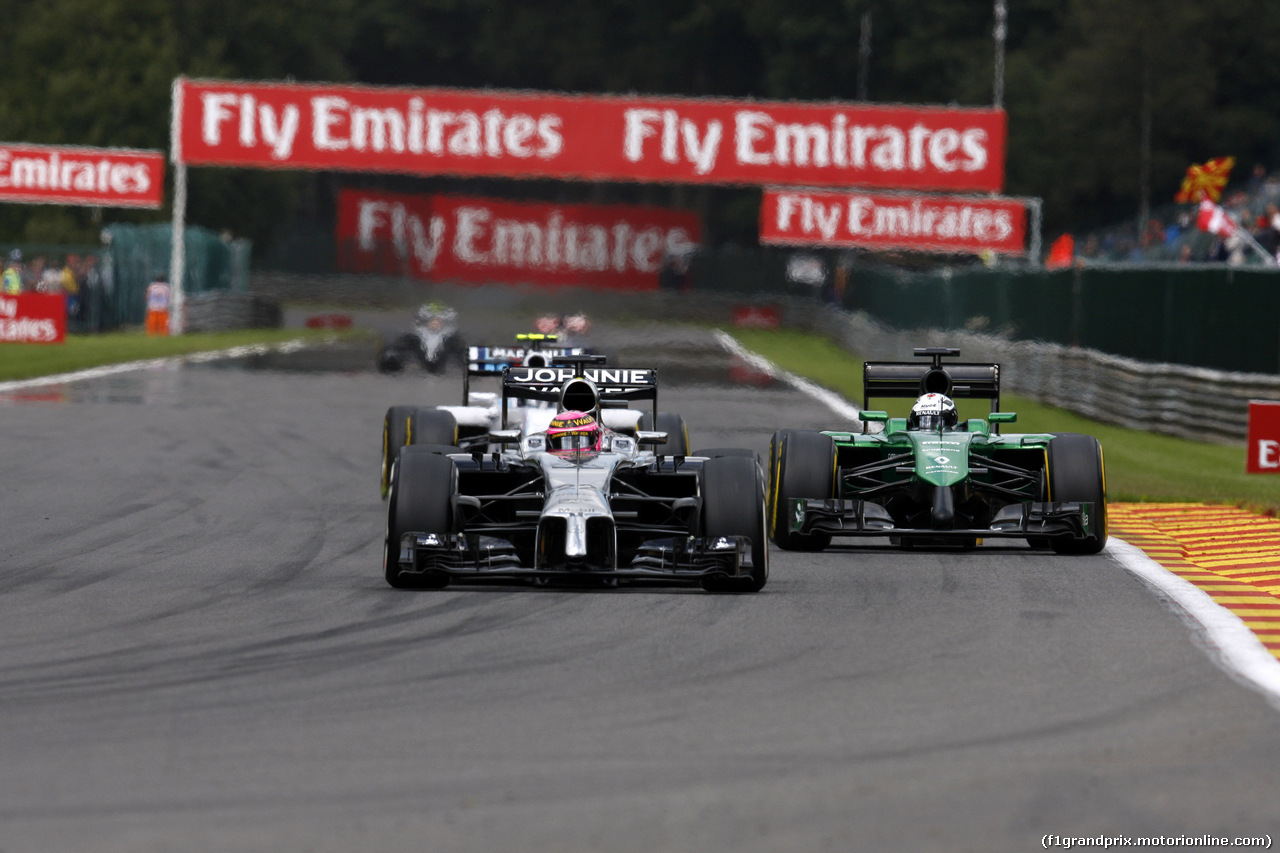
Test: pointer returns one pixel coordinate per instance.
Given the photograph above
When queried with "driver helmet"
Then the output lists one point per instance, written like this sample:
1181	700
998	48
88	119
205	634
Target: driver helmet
434	314
573	432
933	411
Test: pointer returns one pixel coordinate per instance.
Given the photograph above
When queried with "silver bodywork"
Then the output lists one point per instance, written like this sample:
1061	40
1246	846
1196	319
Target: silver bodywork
577	529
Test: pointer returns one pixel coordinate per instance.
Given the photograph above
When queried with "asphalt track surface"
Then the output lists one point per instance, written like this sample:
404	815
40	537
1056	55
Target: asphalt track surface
198	652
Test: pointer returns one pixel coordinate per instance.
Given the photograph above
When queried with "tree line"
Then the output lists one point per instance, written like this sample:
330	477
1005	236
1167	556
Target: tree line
1108	101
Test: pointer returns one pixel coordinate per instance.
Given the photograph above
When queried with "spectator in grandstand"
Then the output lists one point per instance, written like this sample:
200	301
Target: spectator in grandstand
91	289
1153	236
33	273
70	285
1256	180
12	276
1265	232
50	278
1236	248
1089	252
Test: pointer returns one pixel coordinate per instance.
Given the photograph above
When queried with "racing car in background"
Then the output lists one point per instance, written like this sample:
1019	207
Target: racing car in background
468	426
432	344
933	479
603	509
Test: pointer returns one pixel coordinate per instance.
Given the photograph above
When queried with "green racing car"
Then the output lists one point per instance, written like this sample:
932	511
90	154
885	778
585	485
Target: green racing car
933	479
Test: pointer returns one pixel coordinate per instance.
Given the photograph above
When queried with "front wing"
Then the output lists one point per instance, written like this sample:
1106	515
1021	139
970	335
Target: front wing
1033	519
678	558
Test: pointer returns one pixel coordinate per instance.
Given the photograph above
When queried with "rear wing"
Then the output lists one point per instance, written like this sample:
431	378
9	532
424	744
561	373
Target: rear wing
491	361
578	386
913	378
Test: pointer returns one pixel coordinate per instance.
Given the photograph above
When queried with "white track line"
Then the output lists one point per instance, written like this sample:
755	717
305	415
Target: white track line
151	364
842	407
1228	641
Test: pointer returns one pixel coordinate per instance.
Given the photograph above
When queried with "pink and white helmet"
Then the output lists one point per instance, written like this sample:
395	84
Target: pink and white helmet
573	432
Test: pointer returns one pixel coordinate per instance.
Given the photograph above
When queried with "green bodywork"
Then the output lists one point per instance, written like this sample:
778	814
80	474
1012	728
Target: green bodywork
939	457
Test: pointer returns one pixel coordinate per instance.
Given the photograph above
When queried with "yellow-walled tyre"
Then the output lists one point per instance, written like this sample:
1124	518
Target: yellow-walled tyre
395	431
802	464
1077	473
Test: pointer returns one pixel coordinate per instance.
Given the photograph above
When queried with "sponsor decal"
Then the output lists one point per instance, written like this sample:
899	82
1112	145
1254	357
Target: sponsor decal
1262	437
33	318
101	177
477	132
560	375
437	237
568	423
921	222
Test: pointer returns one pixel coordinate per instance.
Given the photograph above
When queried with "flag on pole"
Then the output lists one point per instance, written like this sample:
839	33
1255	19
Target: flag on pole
1061	252
1205	181
1214	219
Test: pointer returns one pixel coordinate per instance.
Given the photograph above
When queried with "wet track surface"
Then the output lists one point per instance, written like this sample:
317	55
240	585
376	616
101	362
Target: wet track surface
198	652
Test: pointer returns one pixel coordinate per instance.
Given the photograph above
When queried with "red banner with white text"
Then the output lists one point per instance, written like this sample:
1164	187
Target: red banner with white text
33	318
94	177
967	224
1263	437
535	134
450	238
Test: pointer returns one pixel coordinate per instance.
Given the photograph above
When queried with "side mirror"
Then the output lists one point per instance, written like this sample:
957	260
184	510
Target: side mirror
1003	417
504	436
879	417
651	438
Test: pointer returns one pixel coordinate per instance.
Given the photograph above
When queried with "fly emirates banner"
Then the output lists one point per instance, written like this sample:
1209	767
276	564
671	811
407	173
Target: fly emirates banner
451	238
478	132
927	223
96	177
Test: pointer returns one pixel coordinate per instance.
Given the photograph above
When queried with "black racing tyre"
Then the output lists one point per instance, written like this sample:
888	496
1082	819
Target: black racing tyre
440	449
395	431
674	426
1077	473
717	452
802	464
733	495
423	483
390	360
432	426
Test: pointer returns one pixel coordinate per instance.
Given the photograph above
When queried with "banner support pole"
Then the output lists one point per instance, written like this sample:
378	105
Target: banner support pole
178	256
178	248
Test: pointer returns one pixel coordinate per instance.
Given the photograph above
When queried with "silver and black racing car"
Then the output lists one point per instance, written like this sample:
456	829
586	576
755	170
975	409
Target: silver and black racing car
577	502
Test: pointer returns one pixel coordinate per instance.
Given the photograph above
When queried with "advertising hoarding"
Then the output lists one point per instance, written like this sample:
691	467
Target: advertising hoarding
586	137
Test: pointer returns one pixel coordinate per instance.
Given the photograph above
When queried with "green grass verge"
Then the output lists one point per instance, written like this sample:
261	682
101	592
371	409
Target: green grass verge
80	352
1140	466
